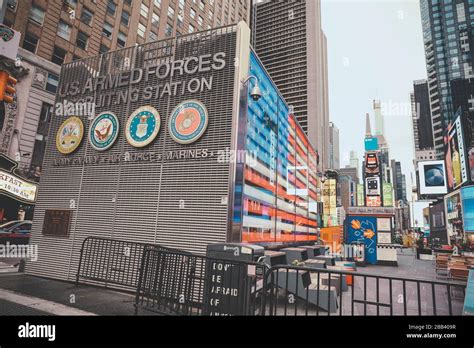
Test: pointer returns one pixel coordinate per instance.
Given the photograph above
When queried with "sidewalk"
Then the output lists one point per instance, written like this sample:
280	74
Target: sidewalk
22	294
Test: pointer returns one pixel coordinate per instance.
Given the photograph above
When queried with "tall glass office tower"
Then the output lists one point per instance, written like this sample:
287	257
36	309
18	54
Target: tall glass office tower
448	38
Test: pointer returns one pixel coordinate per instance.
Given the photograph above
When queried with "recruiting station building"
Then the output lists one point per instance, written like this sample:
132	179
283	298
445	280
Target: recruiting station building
176	152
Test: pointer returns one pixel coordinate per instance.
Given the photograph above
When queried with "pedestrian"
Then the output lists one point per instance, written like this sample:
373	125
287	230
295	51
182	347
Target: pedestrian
21	213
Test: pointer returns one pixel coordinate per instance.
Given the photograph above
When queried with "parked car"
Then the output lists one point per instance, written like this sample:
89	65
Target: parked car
15	232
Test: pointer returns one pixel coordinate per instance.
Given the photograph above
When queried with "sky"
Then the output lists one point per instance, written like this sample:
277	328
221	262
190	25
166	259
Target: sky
375	51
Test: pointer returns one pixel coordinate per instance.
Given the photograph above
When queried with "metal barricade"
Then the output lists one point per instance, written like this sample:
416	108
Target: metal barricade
111	263
308	291
174	283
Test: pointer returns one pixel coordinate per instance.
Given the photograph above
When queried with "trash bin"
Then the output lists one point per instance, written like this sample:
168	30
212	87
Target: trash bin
236	252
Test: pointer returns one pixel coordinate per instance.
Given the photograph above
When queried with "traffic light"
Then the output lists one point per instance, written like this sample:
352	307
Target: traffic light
7	87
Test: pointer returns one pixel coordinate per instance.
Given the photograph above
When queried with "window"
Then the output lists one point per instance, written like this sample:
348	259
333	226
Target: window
200	21
157	3
64	30
36	14
171	12
141	30
103	49
58	55
52	83
81	40
121	39
23	228
125	18
152	37
192	13
71	3
11	4
86	16
191	29
111	8
169	30
46	111
144	10
30	42
107	30
155	20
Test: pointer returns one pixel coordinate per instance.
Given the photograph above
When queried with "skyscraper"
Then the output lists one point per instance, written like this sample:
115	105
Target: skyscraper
399	181
289	40
355	163
421	113
449	44
380	125
334	151
379	120
421	121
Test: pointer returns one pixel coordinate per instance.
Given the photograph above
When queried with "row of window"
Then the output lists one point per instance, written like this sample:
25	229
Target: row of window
64	30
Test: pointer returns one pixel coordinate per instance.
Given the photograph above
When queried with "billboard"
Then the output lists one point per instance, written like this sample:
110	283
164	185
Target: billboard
454	215
455	155
363	229
387	194
371	144
374	201
467	197
280	172
372	185
372	163
330	202
432	178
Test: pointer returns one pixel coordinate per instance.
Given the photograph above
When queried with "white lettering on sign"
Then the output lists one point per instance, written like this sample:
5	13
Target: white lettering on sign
17	187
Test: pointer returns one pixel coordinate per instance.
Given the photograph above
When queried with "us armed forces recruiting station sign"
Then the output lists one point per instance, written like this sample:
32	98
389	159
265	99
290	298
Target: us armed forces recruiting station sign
175	190
108	87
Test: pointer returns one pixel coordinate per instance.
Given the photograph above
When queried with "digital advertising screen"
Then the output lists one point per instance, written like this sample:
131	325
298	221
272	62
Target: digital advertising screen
455	155
432	176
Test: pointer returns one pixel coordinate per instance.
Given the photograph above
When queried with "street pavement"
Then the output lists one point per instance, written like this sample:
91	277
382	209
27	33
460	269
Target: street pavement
19	291
62	298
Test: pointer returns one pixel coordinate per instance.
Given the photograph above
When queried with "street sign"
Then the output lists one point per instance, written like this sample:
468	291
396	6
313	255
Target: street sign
9	42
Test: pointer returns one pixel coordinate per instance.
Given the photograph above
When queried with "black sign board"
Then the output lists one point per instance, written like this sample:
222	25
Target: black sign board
57	222
229	278
226	288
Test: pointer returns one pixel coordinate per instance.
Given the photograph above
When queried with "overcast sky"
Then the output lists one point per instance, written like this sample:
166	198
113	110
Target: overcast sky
375	51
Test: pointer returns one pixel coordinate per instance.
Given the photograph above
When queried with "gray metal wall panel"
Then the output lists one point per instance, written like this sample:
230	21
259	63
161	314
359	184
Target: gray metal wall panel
141	201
